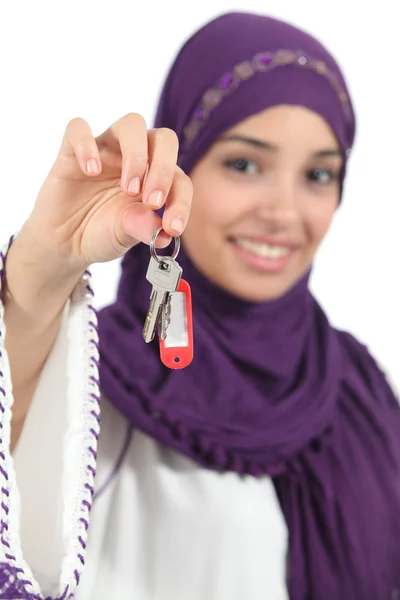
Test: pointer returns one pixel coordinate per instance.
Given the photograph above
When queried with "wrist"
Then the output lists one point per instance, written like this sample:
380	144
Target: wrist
37	281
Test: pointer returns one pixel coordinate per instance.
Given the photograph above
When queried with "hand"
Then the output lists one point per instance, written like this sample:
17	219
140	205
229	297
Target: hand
101	194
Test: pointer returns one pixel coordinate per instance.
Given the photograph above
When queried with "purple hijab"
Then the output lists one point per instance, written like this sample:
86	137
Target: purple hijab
273	388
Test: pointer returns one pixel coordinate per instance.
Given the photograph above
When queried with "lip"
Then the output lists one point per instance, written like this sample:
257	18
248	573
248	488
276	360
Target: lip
270	240
261	264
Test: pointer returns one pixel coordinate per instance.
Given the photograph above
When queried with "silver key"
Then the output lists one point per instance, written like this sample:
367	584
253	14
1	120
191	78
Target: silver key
164	274
165	317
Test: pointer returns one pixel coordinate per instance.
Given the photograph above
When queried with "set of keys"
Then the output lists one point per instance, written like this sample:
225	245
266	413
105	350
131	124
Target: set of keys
170	309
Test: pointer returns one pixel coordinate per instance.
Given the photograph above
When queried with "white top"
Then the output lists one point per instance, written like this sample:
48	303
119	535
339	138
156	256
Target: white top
161	527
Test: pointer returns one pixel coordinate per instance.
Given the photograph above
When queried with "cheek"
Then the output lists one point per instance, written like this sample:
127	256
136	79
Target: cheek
319	220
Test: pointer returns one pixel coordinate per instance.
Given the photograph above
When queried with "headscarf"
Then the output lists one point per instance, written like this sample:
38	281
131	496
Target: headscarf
273	389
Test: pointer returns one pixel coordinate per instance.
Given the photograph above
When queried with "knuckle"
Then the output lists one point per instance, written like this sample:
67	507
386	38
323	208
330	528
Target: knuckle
166	135
139	162
180	174
184	180
76	123
164	174
190	187
133	118
79	135
186	194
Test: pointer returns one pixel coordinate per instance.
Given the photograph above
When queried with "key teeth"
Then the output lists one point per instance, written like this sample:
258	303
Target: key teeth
145	331
165	317
159	314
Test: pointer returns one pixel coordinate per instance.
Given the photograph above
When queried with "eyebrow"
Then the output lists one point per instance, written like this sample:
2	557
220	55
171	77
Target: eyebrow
263	145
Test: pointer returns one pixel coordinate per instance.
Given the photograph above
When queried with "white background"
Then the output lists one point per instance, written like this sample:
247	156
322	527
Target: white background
100	60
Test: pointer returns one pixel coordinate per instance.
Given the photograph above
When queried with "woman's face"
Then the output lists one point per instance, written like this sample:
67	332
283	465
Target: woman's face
264	197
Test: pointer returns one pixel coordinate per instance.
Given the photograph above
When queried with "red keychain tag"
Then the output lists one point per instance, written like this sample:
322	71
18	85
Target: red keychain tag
176	350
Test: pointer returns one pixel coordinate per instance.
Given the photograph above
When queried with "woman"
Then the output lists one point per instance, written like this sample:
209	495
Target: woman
269	468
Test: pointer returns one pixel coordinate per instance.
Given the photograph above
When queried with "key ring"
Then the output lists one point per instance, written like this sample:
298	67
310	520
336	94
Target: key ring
153	246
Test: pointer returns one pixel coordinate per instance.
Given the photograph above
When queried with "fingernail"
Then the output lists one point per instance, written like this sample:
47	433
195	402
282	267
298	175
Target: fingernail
92	166
134	186
177	225
155	198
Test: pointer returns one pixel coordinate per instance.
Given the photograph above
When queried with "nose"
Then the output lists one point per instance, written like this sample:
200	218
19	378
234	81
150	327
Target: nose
278	203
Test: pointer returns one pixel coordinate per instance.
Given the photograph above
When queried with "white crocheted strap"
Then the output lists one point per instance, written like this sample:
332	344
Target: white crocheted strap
79	456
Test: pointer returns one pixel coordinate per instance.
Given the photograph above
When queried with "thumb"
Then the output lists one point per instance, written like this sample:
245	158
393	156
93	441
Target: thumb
137	224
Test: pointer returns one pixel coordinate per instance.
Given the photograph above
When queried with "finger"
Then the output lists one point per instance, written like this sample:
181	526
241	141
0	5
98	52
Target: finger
129	137
78	141
179	202
138	223
163	153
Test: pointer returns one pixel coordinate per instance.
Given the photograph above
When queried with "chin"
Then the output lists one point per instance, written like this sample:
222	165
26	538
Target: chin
260	279
260	292
259	288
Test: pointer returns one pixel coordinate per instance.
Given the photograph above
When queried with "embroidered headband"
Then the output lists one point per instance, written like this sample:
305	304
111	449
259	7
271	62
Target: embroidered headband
262	62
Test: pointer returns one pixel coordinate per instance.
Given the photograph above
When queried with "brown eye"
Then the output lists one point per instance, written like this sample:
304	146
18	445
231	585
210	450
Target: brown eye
242	165
322	176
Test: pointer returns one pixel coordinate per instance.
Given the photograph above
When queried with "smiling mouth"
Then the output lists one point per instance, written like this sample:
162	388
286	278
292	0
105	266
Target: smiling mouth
262	249
261	256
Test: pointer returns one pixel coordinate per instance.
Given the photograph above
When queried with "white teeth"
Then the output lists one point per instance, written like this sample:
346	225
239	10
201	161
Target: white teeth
261	249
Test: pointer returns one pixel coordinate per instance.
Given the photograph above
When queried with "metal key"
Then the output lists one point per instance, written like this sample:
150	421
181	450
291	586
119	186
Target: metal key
164	274
165	317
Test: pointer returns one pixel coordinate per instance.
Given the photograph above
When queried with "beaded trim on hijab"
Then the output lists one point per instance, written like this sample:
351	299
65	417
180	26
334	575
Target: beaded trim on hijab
262	62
